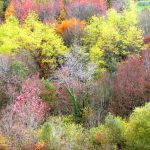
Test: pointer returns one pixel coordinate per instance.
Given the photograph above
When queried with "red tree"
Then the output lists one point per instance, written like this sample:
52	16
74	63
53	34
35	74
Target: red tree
28	105
46	11
129	87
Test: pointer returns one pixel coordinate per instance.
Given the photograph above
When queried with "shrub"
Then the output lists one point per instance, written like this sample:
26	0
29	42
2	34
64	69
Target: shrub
129	87
111	39
61	133
110	134
138	132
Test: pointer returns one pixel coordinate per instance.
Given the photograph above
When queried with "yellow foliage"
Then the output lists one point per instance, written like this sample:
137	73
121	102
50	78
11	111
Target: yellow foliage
3	140
66	24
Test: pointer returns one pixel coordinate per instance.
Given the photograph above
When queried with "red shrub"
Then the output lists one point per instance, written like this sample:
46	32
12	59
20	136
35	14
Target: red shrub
28	102
130	86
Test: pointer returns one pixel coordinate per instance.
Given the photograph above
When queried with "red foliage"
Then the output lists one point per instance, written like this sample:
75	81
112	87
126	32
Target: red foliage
22	8
130	86
28	104
46	11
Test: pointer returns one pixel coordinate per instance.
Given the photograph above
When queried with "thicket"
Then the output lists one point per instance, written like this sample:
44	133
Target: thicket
74	74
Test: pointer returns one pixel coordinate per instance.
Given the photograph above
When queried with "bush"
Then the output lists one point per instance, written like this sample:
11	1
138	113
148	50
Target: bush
138	131
110	134
129	87
61	133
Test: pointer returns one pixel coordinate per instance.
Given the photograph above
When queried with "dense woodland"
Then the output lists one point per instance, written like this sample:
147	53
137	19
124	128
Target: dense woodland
74	75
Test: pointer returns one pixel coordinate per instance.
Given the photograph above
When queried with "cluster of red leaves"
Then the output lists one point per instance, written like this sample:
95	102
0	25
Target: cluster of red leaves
132	86
28	101
21	9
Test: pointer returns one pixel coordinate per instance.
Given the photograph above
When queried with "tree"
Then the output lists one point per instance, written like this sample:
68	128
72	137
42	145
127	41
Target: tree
84	9
129	87
111	39
47	10
37	38
74	76
22	116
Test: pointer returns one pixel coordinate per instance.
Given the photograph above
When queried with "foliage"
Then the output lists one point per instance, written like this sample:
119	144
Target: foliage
48	91
10	11
46	134
68	24
84	9
17	68
110	134
28	103
22	116
47	10
99	95
137	133
130	87
59	133
44	43
113	38
71	30
40	39
75	76
9	38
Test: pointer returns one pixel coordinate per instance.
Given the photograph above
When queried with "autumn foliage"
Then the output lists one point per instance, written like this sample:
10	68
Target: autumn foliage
46	10
70	23
28	101
131	85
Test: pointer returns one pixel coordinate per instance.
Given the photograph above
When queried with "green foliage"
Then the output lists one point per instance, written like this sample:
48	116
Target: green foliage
110	133
61	133
115	129
3	6
17	68
75	105
46	133
113	37
48	92
138	129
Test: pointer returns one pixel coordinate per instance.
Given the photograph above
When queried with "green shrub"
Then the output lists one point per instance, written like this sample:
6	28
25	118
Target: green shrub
110	134
138	129
61	133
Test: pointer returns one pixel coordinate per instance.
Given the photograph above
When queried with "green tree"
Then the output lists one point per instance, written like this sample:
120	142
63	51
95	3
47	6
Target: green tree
112	38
